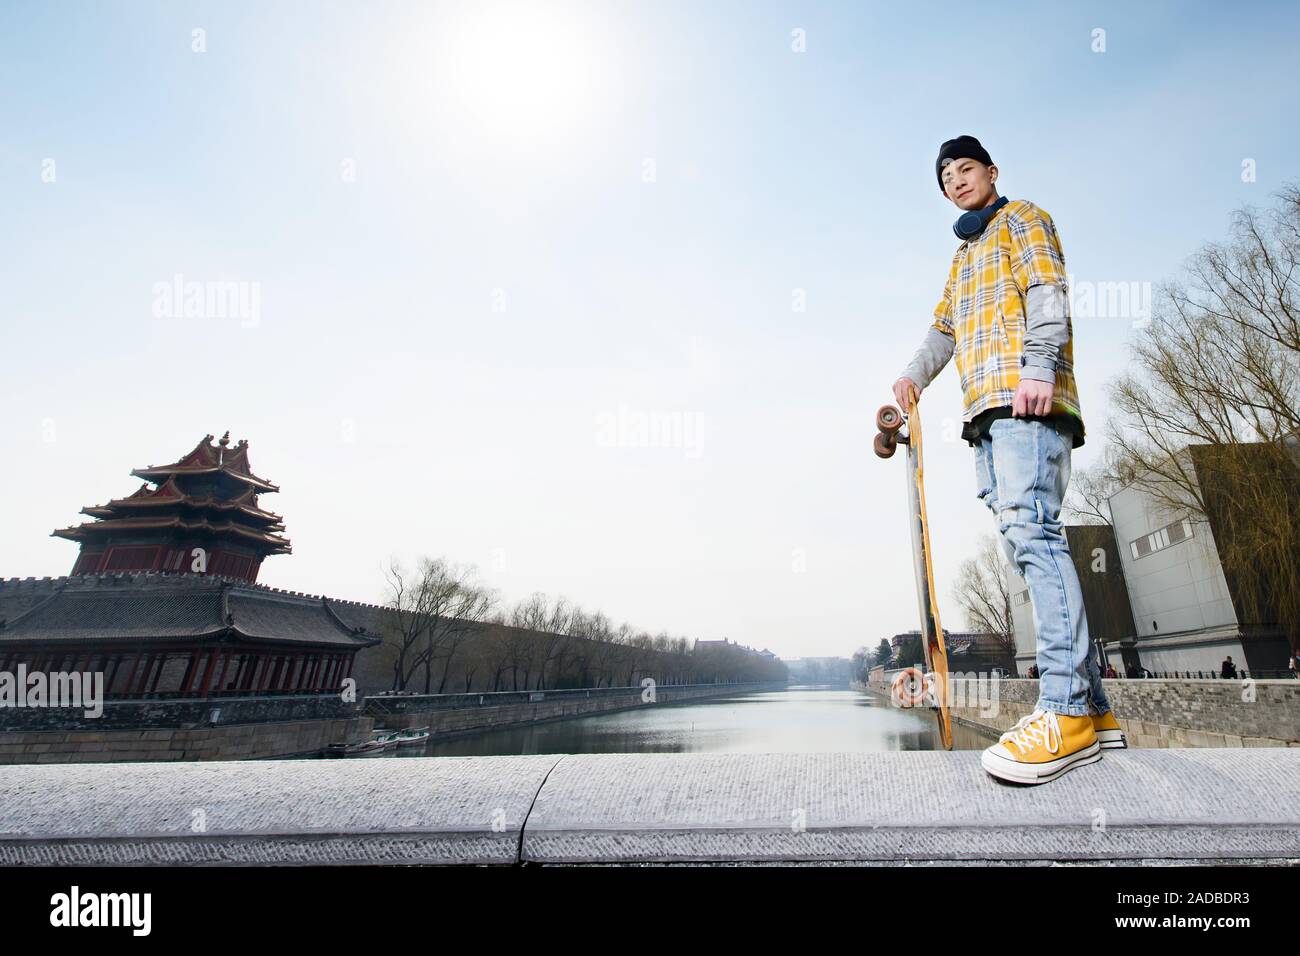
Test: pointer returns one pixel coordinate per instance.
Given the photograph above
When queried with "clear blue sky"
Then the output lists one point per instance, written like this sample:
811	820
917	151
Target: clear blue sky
439	337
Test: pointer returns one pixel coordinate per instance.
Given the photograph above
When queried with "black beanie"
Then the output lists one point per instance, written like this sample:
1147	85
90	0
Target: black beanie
963	147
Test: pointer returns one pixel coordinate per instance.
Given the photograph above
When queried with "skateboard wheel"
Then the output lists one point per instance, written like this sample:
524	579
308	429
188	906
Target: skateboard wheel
889	419
884	445
908	688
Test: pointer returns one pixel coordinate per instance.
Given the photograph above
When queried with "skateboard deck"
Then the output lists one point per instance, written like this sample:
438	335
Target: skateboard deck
895	429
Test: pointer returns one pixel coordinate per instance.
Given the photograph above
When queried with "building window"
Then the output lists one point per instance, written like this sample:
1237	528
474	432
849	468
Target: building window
1022	597
1161	538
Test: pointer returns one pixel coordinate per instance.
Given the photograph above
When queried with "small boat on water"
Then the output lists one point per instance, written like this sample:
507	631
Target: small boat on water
413	737
366	748
383	741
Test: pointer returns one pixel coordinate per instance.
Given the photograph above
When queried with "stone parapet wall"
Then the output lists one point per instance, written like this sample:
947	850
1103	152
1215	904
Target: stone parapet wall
1142	806
1161	713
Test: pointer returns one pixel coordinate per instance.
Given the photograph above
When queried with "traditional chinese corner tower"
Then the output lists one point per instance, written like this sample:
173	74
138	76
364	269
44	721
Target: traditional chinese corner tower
201	517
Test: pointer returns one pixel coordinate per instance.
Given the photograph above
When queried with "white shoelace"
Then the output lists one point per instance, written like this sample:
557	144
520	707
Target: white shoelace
1016	727
1041	729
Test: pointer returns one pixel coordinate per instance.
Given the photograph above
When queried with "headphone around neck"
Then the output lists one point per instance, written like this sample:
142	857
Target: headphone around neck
971	224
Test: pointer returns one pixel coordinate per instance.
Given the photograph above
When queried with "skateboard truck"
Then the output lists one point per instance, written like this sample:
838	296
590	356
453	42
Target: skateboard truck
889	420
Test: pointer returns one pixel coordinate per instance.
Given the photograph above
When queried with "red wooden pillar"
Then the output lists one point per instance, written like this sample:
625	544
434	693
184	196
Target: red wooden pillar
130	678
266	672
207	672
225	666
190	670
143	681
162	665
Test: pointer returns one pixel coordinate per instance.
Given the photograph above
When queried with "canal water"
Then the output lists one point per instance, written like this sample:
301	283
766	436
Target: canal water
801	718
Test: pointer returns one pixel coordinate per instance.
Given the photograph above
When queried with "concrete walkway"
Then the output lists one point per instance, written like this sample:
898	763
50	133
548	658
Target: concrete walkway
1231	805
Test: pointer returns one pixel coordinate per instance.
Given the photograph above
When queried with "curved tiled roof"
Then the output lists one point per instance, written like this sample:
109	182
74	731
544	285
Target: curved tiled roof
136	606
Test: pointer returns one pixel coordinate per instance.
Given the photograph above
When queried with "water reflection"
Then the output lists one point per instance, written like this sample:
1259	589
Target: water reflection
800	719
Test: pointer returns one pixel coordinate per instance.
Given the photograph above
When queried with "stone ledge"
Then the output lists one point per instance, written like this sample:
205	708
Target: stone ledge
1228	805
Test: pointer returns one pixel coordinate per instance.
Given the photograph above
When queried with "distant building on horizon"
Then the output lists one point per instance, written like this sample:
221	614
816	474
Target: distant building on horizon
968	651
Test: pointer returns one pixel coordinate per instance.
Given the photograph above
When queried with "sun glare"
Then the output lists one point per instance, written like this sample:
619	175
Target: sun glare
520	72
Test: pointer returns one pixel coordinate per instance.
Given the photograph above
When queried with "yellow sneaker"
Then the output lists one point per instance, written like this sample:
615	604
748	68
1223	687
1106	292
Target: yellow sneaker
1041	747
1108	731
1105	726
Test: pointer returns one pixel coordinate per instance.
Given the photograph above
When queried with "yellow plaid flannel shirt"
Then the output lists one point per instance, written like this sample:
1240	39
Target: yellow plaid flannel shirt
983	307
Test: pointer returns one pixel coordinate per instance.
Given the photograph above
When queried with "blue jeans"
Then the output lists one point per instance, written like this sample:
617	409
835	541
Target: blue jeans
1022	470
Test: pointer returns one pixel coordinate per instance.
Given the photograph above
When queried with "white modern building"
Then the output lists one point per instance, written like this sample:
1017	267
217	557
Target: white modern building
1170	607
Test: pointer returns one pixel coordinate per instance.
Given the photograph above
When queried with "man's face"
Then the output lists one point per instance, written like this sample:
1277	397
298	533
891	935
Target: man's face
969	183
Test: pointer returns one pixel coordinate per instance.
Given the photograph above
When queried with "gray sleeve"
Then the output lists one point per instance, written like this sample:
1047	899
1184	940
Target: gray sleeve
930	358
1046	332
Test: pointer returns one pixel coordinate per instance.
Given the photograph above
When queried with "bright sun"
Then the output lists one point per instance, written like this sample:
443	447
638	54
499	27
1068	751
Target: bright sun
520	72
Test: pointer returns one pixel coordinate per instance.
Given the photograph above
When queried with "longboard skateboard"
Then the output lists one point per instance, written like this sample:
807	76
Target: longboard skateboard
911	686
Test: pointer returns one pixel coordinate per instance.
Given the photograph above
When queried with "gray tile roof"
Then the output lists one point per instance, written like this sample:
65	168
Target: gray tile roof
134	607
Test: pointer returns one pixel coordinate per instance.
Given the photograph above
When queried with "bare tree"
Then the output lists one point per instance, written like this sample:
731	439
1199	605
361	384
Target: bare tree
498	649
529	619
584	629
637	651
408	619
604	649
983	596
554	639
1208	420
517	644
466	613
434	610
1087	499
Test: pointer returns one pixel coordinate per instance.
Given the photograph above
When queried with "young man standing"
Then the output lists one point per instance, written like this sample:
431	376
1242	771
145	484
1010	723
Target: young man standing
1004	315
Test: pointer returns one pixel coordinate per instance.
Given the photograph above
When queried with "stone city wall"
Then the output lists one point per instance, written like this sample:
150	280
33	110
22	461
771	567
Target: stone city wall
461	713
234	742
